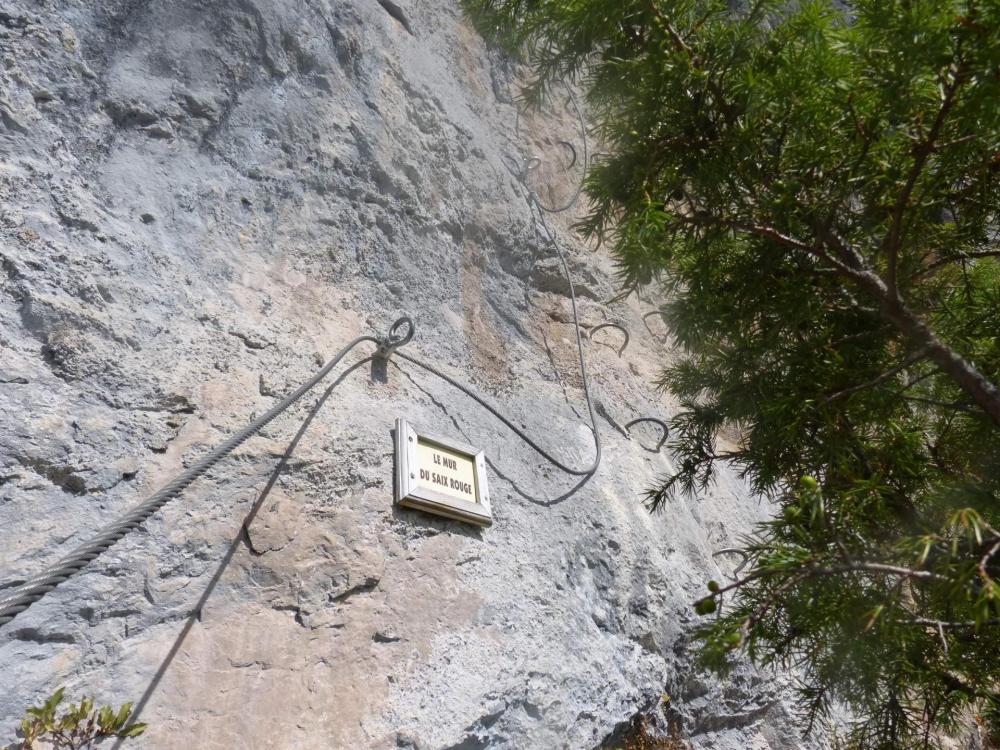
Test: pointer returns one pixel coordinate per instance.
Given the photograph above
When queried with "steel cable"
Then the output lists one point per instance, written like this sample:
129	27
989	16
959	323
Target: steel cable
19	597
533	201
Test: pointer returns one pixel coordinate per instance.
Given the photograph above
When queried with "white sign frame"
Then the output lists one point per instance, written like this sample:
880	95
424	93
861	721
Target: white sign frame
411	493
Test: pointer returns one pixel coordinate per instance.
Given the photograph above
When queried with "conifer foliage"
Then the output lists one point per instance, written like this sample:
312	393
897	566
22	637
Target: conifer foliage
814	186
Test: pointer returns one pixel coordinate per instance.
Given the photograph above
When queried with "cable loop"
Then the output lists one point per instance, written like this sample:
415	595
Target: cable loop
410	330
392	342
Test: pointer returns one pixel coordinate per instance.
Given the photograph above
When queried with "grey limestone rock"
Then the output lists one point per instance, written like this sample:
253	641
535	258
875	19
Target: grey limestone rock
196	198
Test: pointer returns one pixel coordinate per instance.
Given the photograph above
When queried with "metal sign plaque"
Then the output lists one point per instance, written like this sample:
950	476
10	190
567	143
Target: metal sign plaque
441	476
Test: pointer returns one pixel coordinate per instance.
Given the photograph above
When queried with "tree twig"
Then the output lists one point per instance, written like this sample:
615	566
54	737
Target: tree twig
965	408
963	257
812	572
985	559
949	624
913	358
922	151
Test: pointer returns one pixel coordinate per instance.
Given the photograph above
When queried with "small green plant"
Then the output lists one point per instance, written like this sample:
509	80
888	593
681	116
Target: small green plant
641	737
640	734
79	727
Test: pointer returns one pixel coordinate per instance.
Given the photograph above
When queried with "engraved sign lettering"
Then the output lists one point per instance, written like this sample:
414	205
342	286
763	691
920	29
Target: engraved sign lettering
446	471
441	476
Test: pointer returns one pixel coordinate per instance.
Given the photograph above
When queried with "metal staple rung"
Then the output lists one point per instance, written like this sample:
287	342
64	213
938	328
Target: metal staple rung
595	329
654	420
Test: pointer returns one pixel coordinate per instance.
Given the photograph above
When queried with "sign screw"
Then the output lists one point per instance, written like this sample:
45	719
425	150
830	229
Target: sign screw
412	475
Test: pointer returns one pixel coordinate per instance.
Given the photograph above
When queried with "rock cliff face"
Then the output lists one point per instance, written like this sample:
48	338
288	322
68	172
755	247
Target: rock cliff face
200	201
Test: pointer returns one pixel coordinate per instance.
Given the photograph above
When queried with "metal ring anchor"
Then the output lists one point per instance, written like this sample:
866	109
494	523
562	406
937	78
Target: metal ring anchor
595	329
392	341
654	420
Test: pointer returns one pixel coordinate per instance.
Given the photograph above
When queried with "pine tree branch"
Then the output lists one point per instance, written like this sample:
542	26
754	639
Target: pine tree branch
965	408
681	45
758	614
917	380
857	267
949	624
984	561
913	358
675	37
812	572
922	152
963	257
850	338
702	217
984	393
